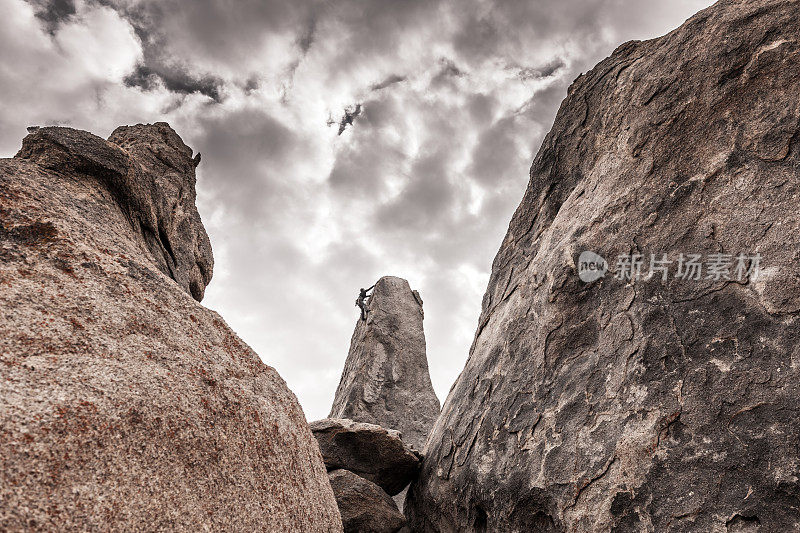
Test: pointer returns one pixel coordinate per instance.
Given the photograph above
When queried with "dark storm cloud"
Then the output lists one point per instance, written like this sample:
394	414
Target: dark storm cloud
391	80
378	27
213	28
481	108
478	38
495	149
251	85
424	202
449	68
362	32
176	79
359	171
447	73
362	165
379	112
349	116
248	155
184	43
306	38
53	12
374	158
248	138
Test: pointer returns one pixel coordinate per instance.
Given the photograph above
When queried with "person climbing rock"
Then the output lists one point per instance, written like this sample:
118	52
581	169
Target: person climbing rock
361	301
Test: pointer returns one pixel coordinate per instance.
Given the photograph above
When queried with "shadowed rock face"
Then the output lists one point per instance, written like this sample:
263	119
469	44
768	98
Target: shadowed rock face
149	172
125	405
648	405
385	380
364	505
372	452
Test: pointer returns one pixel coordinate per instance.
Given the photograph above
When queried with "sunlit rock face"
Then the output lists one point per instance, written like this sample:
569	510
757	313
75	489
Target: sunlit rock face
649	404
126	405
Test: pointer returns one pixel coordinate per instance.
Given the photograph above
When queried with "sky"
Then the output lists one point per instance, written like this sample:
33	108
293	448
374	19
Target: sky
341	140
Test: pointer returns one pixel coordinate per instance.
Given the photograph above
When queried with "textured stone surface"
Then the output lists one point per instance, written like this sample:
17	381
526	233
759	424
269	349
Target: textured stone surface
385	379
644	406
372	452
365	507
124	404
149	172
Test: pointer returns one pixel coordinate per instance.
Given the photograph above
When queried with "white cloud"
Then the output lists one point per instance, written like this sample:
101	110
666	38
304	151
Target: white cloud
97	45
60	78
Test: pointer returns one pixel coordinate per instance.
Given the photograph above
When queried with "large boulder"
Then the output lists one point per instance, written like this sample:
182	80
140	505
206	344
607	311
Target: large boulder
385	379
372	452
643	404
365	507
149	172
124	404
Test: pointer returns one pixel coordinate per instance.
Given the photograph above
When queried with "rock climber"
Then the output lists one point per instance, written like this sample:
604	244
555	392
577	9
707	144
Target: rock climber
361	301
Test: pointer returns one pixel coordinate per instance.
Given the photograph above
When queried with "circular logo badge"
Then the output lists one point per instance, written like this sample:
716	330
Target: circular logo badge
591	266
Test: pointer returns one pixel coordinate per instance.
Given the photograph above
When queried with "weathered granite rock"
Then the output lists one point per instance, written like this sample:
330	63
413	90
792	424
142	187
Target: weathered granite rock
149	172
365	507
385	379
644	405
124	404
372	452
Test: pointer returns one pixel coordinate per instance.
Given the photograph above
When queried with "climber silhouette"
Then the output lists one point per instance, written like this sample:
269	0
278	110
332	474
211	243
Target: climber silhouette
361	301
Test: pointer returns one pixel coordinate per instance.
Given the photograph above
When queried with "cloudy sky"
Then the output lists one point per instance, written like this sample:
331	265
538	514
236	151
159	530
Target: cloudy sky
341	140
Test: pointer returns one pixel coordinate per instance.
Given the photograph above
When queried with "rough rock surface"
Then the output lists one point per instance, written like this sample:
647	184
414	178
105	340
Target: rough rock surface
372	452
385	379
365	507
149	172
648	405
124	404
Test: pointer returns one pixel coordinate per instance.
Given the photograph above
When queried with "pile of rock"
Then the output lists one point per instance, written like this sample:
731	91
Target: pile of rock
385	379
367	465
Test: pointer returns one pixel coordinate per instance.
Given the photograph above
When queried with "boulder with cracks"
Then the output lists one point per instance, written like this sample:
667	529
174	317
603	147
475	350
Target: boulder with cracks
651	403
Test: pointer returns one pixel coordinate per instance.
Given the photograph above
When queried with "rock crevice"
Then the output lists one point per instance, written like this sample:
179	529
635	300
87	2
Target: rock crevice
367	465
